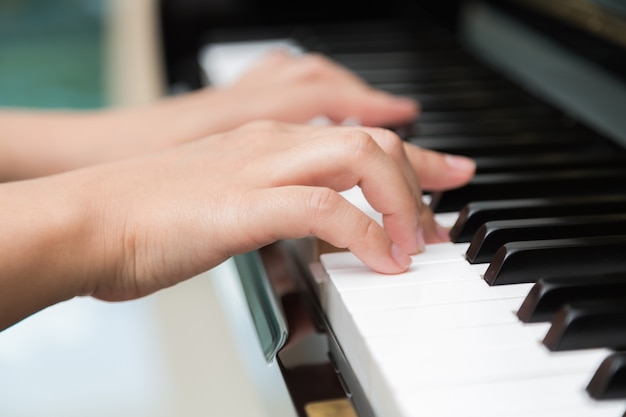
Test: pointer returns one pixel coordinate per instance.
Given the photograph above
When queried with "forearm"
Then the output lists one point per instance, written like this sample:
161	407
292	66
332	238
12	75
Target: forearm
37	143
49	250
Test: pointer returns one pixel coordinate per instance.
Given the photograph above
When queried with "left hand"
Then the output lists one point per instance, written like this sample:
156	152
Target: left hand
298	88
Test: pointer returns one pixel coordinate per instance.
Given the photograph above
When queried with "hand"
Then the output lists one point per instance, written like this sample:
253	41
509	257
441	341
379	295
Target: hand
296	89
281	87
172	215
122	230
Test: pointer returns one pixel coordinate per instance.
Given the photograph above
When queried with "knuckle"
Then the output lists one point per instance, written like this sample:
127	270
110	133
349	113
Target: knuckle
390	141
322	202
359	145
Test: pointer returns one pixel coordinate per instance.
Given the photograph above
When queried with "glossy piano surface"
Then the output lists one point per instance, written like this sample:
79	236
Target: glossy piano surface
545	126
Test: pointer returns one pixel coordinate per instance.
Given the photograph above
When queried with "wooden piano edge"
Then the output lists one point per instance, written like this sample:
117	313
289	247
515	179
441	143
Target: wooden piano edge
317	387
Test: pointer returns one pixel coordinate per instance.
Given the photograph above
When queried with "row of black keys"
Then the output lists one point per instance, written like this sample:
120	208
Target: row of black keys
548	203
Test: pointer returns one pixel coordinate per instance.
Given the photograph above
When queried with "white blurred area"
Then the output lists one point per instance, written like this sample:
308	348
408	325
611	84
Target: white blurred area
186	351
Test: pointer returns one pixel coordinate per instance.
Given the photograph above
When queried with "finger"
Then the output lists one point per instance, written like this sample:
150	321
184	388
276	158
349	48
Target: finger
439	171
293	212
433	232
373	107
350	158
350	96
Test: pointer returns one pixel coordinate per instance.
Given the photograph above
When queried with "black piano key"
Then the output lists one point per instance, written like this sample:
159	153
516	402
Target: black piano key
446	87
529	185
368	41
609	380
461	100
474	214
510	111
550	160
524	262
484	127
492	235
588	324
549	294
376	76
512	144
358	61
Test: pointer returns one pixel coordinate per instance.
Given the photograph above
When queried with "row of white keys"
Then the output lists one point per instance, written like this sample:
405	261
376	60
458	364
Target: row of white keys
439	331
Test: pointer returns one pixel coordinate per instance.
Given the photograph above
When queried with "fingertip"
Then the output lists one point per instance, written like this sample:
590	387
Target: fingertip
404	105
460	163
401	258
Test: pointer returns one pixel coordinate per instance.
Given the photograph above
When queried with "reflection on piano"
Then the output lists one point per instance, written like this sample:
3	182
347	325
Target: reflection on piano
524	313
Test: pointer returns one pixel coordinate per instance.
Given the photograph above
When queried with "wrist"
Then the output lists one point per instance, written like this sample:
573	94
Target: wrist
49	253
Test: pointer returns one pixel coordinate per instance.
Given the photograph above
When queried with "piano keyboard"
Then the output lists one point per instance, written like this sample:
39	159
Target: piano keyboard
522	315
544	216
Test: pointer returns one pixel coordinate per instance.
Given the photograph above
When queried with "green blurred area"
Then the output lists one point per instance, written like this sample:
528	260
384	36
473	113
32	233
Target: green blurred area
52	53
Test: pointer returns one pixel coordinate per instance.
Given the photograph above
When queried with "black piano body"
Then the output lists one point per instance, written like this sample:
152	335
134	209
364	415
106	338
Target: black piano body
551	120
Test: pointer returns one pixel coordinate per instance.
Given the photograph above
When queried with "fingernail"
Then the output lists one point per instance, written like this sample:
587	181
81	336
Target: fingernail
460	162
400	256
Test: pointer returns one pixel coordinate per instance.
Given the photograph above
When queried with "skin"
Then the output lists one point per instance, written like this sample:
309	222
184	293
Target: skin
273	89
124	220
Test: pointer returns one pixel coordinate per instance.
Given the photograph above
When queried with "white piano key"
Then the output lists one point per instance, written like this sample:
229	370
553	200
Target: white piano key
433	317
438	252
430	293
362	278
413	371
472	338
551	396
440	329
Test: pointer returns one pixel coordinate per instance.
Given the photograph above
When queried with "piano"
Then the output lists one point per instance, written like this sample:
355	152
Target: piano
524	312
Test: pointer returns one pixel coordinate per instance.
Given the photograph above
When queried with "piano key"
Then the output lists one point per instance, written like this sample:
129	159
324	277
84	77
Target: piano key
523	109
474	214
493	234
332	44
522	262
549	396
379	325
588	324
548	295
375	76
404	59
376	323
441	368
549	160
609	381
486	337
482	127
429	293
460	100
511	144
444	87
531	185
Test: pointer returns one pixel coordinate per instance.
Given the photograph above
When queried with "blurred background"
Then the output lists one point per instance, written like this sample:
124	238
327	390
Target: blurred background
52	53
